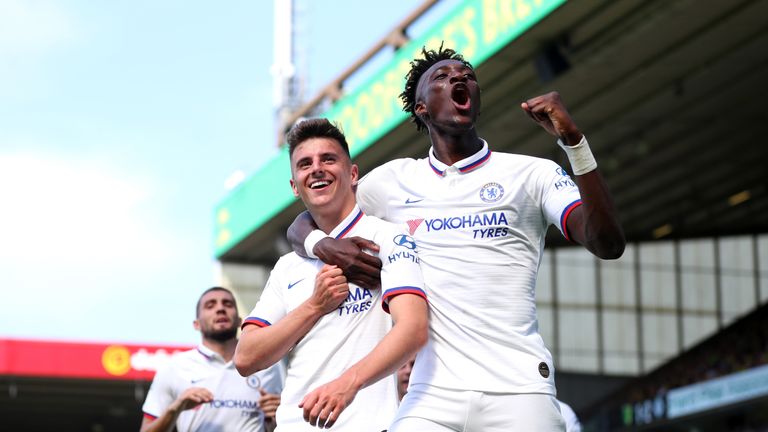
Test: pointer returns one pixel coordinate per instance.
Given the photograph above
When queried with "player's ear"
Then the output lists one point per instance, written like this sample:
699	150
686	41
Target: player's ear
354	172
294	188
420	109
196	324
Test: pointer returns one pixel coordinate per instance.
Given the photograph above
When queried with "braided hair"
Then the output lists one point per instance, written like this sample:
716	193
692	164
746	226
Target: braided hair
418	67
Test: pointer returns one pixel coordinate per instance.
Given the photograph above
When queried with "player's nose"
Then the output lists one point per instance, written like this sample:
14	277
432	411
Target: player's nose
458	76
317	170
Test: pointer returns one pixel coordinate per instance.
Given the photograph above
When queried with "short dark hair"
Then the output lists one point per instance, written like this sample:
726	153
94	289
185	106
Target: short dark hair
315	128
418	67
216	288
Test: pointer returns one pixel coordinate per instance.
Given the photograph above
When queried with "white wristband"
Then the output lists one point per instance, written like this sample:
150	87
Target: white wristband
580	156
311	240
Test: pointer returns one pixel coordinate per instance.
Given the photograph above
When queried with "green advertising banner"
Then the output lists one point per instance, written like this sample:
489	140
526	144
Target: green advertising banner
476	28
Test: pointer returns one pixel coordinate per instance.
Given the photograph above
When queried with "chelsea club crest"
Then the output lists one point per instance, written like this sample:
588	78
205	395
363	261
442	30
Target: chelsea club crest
491	192
253	381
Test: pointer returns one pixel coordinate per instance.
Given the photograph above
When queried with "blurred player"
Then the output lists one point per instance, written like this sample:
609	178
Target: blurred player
404	377
339	340
200	389
572	423
480	219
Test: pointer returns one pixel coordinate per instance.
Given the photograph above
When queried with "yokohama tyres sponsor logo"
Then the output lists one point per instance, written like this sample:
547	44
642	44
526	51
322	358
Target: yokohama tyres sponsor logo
459	222
235	403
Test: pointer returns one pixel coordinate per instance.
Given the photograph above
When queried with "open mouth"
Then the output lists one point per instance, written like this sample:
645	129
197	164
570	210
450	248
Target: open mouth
460	96
319	184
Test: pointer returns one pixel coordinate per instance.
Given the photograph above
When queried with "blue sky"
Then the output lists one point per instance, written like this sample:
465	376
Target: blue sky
120	122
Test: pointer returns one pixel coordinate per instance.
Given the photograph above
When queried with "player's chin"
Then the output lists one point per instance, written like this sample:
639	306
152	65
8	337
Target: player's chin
462	122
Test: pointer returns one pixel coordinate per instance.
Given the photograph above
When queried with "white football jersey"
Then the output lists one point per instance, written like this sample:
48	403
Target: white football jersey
235	404
480	226
342	337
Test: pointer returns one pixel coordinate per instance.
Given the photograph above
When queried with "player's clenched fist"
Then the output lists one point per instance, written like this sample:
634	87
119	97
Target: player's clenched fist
549	112
331	288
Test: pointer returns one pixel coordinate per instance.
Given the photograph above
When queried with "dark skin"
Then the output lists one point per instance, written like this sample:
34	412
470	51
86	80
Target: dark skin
595	224
348	254
448	102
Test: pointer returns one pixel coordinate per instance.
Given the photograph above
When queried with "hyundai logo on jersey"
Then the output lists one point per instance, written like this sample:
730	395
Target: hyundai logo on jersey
405	241
565	182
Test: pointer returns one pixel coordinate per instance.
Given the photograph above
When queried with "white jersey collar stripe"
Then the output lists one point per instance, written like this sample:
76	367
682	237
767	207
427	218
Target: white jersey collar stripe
347	224
465	165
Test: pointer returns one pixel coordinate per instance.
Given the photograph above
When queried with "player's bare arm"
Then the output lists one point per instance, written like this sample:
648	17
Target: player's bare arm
359	267
190	398
261	347
323	406
594	224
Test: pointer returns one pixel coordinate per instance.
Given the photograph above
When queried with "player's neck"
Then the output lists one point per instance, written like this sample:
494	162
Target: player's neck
329	217
451	148
226	349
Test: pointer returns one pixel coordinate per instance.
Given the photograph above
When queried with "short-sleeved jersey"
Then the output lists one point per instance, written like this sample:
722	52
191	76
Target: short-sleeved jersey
342	337
480	226
235	404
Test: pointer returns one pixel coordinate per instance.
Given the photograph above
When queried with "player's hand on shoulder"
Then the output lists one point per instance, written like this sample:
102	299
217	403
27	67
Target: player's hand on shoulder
360	267
323	406
192	397
549	112
331	288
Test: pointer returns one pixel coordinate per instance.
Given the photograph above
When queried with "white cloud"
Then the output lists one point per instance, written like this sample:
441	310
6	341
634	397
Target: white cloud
33	26
73	212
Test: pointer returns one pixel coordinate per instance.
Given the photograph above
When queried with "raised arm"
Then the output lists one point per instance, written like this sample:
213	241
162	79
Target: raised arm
348	254
594	224
261	347
323	405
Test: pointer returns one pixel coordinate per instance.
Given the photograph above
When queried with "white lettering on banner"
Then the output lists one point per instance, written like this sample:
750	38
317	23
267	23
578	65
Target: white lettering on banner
726	390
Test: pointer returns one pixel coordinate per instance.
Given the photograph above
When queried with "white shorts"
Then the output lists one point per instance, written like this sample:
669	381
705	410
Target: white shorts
433	409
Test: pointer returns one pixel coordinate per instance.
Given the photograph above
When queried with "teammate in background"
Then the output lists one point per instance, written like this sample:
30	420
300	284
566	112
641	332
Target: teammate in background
572	423
338	337
200	390
404	377
480	220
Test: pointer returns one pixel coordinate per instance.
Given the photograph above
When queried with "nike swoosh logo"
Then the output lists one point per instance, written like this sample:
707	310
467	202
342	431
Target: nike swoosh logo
291	285
197	380
413	201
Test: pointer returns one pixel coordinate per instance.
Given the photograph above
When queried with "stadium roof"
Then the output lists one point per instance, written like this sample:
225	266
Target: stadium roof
669	94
